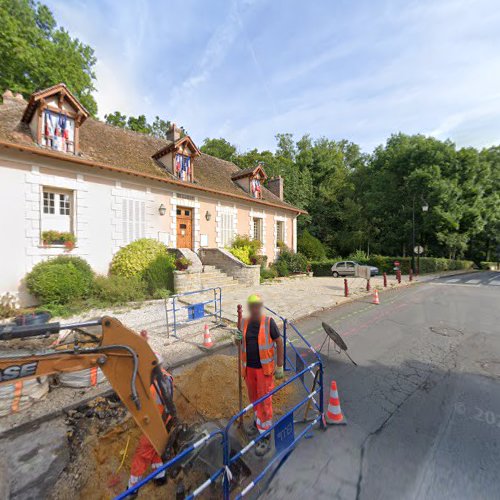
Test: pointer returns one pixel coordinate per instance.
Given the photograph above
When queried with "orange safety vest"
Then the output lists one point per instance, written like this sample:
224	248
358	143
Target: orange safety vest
266	346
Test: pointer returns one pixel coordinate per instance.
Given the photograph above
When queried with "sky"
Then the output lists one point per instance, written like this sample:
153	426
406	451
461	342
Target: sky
246	70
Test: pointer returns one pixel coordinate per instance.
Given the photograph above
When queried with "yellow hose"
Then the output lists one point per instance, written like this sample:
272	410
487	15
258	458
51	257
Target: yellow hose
124	453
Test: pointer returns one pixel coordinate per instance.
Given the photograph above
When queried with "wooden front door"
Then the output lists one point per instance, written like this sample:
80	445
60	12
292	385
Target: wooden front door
184	227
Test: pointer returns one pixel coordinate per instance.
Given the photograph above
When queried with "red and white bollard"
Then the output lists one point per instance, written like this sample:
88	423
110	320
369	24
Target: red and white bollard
398	276
368	287
346	288
385	280
410	274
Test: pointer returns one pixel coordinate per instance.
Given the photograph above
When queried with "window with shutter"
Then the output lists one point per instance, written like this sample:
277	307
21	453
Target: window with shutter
257	229
133	220
280	232
227	227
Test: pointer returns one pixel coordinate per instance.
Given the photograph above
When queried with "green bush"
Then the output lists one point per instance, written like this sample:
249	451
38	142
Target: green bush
81	264
246	249
295	262
386	264
146	259
158	275
58	283
281	268
242	254
136	257
268	273
116	289
323	267
310	246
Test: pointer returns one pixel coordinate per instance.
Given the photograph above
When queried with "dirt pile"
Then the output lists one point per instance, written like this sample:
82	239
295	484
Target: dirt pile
211	386
103	435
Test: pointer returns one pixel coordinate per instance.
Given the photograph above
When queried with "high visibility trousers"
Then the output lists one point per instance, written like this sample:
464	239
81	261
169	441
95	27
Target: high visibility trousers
145	455
258	385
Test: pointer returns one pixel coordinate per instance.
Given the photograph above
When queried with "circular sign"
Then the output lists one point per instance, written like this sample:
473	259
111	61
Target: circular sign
419	249
397	263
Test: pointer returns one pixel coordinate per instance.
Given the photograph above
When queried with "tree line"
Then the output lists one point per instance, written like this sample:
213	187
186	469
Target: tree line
358	201
355	201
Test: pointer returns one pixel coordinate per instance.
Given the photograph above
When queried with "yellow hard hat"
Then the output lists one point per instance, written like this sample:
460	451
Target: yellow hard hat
254	299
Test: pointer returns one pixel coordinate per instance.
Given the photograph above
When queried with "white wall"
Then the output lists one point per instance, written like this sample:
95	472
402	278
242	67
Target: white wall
98	216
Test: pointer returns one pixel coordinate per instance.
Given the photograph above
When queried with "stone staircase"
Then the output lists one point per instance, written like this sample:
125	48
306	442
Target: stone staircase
210	277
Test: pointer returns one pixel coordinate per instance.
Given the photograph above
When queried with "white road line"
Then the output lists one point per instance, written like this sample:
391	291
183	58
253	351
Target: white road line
496	283
455	280
473	282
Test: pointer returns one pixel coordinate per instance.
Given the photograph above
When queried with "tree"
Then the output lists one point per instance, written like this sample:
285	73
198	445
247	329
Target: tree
159	128
220	148
36	54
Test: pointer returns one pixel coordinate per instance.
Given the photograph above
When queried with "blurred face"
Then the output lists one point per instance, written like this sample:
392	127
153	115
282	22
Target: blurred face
255	311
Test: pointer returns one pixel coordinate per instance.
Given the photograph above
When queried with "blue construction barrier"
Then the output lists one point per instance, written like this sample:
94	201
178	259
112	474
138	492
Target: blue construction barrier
286	433
182	313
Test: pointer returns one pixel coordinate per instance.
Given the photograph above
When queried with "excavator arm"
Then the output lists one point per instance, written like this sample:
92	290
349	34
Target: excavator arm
125	358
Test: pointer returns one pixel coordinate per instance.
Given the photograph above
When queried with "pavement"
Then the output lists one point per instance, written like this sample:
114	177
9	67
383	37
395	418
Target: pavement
422	406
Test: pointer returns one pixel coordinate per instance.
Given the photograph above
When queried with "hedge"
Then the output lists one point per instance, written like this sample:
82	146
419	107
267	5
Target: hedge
386	264
494	266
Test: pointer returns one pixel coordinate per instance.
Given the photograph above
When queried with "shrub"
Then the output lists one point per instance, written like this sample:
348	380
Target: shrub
81	264
181	264
146	259
310	246
323	267
295	262
281	268
58	283
158	275
268	273
490	265
246	249
117	289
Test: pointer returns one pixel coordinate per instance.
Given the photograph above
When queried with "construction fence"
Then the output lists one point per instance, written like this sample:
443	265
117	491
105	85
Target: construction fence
295	424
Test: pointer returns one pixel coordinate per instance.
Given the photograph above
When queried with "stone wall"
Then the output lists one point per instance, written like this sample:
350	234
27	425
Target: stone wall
227	262
186	281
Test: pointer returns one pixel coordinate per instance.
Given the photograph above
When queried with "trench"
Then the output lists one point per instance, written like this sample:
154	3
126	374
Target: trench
101	436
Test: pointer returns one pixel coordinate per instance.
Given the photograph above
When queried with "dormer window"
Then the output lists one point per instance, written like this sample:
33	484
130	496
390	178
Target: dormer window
54	116
178	157
58	131
183	167
251	180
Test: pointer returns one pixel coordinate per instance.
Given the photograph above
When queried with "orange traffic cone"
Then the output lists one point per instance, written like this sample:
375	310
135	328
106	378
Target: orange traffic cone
207	340
375	300
334	413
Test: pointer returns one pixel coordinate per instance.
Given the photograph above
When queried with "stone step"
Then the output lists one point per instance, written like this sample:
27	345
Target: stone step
214	275
210	268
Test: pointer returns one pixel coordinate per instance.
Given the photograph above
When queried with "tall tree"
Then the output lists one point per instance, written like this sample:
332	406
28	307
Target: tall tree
219	148
35	53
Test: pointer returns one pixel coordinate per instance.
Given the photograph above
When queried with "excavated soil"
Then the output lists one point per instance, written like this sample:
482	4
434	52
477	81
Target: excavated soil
104	436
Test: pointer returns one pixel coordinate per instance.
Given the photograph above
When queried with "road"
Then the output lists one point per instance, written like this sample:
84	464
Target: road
423	404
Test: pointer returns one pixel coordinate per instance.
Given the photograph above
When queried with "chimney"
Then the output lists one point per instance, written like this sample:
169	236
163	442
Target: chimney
174	134
275	185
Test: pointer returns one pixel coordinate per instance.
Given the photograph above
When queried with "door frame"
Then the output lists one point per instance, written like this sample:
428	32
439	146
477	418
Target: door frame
191	217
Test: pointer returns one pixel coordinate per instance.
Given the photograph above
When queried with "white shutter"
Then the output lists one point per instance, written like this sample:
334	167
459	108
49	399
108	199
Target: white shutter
133	220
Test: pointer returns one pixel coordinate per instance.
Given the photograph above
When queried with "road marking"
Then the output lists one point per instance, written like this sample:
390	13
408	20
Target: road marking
473	282
455	280
496	283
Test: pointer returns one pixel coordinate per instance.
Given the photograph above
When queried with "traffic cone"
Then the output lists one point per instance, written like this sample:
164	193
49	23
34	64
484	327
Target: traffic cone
334	413
375	300
207	340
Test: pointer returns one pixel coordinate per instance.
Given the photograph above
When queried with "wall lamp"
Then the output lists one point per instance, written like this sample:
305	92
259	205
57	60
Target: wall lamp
162	210
208	215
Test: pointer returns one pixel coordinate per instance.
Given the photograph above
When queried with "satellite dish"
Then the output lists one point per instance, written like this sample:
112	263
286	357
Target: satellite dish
337	339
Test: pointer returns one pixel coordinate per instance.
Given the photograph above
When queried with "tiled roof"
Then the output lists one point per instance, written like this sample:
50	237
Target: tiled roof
122	149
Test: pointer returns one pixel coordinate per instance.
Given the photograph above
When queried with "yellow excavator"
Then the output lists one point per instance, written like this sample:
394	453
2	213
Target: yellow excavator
125	358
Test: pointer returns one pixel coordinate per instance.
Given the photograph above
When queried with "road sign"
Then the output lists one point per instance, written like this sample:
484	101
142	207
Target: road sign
284	434
419	249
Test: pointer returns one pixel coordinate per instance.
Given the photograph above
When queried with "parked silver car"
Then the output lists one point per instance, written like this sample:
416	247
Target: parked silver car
347	267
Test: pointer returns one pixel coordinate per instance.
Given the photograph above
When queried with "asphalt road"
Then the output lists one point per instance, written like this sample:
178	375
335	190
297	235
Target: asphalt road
423	404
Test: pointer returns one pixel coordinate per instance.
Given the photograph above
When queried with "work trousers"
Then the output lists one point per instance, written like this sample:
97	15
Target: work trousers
258	385
145	455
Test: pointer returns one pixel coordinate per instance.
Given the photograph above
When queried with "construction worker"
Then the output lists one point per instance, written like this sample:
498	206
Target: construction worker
258	336
145	455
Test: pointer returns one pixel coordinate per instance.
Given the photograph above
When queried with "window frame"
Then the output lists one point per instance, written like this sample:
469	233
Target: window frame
260	236
49	212
279	223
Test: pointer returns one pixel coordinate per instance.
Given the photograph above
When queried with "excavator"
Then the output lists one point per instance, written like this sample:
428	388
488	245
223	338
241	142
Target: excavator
125	358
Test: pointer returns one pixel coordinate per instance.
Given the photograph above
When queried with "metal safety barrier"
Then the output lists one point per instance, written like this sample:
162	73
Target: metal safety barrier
183	312
287	431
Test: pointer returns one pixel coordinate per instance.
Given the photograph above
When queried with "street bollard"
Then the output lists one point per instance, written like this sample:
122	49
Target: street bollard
346	288
398	275
385	280
410	274
367	285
